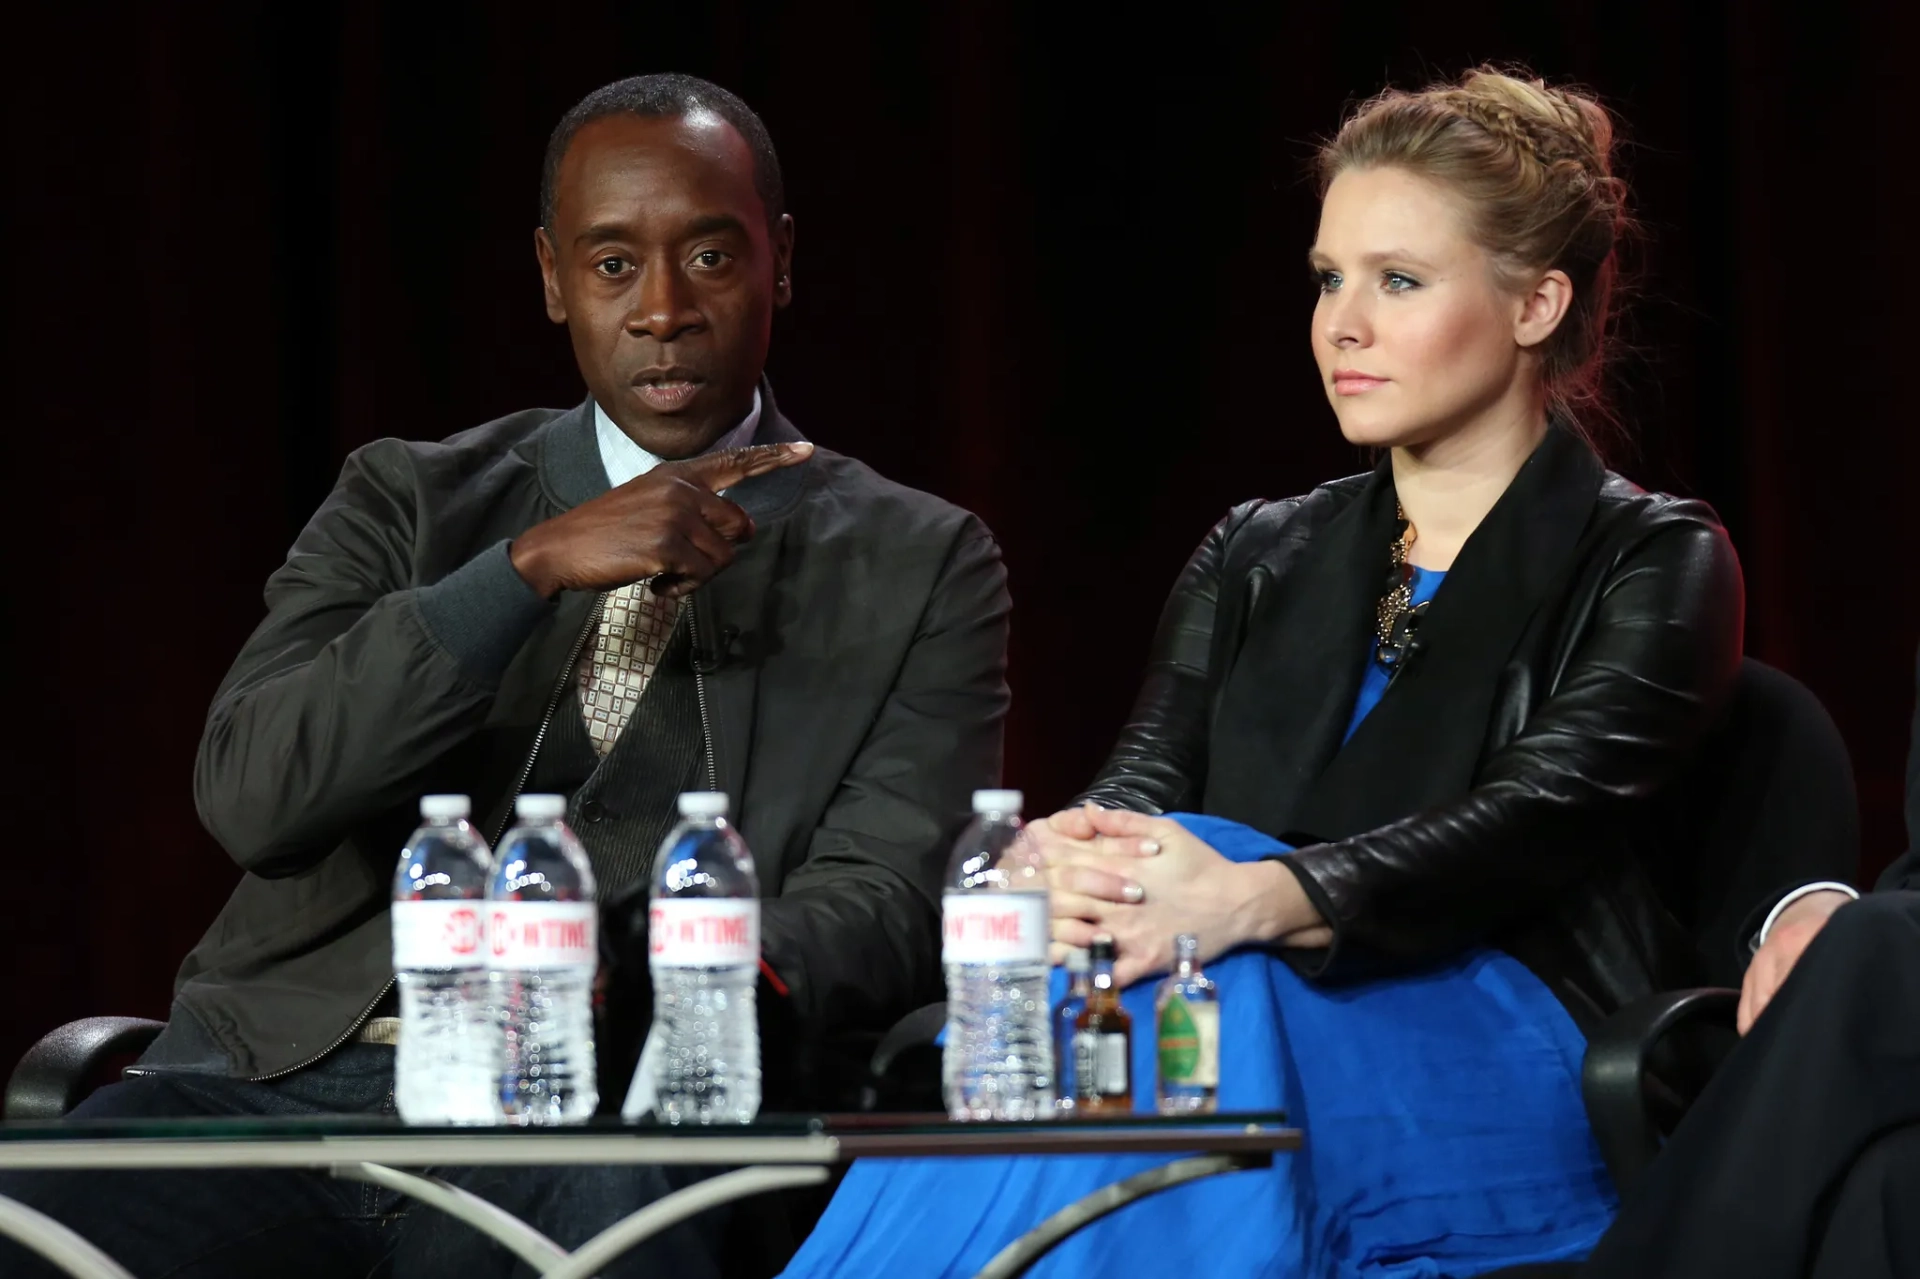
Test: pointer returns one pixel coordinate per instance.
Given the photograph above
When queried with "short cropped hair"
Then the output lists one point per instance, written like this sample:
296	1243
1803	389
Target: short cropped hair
666	96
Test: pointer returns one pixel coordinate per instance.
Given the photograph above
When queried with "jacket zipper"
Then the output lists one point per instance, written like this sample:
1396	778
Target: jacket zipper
553	704
526	771
700	696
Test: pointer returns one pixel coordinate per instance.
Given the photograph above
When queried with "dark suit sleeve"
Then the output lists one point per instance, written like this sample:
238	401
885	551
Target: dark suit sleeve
1159	765
1639	693
358	678
855	932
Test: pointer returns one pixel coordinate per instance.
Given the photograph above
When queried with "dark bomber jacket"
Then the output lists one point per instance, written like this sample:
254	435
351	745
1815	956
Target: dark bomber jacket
1579	650
853	665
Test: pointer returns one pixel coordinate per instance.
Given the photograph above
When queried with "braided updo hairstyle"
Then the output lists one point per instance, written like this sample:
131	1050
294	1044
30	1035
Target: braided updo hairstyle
1533	169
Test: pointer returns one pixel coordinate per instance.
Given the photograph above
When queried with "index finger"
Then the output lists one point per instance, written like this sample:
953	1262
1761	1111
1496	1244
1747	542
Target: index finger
722	470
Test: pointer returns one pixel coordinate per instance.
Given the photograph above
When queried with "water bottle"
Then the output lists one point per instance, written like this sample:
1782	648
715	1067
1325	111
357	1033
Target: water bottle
703	945
542	939
444	1068
998	1058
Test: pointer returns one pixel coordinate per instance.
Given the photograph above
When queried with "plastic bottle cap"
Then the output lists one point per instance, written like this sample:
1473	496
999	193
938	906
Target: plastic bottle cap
1079	959
445	808
540	808
998	801
703	803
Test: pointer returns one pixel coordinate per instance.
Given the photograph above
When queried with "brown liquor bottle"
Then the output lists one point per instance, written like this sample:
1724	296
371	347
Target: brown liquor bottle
1103	1043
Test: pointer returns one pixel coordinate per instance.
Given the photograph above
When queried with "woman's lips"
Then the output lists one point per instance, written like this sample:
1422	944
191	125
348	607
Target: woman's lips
668	395
1350	382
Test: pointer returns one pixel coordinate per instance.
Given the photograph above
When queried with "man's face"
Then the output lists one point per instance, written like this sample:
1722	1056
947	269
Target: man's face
661	264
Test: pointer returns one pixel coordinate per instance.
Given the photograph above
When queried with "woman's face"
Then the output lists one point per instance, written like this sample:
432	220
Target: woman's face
1415	337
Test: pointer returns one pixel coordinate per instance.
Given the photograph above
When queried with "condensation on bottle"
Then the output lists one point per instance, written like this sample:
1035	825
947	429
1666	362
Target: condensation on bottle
997	1061
703	943
447	1060
543	950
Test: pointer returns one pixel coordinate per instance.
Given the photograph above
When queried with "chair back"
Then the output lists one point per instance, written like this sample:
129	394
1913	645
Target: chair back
1768	804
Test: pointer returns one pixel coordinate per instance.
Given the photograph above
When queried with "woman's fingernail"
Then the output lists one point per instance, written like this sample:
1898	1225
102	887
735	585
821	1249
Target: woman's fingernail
1133	894
1149	848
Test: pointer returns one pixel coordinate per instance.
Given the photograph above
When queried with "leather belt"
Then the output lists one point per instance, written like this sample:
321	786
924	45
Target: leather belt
379	1030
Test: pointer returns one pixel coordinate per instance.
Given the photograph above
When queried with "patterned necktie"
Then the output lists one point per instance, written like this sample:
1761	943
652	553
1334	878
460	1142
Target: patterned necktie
635	626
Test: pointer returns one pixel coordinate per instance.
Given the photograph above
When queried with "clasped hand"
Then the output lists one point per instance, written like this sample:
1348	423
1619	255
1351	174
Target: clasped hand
1145	880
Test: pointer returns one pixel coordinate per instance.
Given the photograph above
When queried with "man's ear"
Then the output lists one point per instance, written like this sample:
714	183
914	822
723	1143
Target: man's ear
782	241
549	274
1542	308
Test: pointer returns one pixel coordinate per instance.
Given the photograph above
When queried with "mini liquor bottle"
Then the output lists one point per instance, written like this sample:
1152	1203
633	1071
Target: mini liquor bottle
1187	1034
1103	1043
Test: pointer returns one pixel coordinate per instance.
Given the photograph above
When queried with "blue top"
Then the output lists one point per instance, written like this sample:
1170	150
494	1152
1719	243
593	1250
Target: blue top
1373	685
1445	1135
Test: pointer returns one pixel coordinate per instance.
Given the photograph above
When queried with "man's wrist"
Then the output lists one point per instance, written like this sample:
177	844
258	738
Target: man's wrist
1820	899
524	552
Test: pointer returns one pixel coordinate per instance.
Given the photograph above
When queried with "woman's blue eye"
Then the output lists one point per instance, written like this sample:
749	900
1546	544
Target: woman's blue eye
1398	282
1326	281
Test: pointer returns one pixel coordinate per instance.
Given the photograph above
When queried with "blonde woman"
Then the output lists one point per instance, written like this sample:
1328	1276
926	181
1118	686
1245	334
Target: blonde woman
1410	723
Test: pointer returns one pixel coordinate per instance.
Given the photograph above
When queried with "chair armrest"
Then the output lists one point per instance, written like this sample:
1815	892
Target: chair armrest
892	1082
1614	1079
50	1078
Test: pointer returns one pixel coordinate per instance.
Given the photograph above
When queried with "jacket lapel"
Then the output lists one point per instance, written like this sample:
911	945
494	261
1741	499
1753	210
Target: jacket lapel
1422	744
733	620
1291	690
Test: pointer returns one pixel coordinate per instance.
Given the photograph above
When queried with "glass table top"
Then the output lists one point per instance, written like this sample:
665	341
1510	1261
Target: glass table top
803	1138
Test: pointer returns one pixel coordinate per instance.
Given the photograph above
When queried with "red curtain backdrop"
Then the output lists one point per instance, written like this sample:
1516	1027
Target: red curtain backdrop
1049	266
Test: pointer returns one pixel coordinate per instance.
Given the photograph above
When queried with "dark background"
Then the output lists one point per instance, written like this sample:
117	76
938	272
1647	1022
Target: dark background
1050	266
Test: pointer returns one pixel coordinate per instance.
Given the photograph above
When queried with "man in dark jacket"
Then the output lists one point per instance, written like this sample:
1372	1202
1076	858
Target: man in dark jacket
664	589
1802	1157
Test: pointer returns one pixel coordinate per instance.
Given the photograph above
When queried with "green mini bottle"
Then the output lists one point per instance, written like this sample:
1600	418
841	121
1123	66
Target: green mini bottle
1187	1033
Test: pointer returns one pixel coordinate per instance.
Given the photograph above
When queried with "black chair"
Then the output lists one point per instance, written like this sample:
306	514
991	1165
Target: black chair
1769	804
67	1063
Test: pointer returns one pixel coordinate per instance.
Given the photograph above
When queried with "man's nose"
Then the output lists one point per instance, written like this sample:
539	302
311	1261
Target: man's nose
663	304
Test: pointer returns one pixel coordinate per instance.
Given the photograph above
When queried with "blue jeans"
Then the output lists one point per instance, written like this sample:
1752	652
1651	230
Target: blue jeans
212	1225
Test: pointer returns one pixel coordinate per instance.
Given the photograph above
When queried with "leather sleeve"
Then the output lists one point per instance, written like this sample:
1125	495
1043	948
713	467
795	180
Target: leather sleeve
1638	694
855	931
1159	764
357	679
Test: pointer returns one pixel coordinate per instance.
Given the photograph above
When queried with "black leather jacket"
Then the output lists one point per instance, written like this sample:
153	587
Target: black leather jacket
1579	649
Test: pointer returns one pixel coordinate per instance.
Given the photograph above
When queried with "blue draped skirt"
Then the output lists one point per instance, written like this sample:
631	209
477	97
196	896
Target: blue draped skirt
1445	1136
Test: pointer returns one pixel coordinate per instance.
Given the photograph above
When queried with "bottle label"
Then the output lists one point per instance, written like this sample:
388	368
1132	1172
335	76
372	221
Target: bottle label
439	934
704	932
543	935
1189	1042
1099	1065
994	928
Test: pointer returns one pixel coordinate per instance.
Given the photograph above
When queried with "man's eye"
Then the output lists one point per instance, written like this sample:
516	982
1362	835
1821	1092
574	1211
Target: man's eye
709	258
1326	281
611	266
1398	282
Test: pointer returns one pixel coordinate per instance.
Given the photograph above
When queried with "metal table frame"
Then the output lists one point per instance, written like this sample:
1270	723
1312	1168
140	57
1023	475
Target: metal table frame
760	1163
